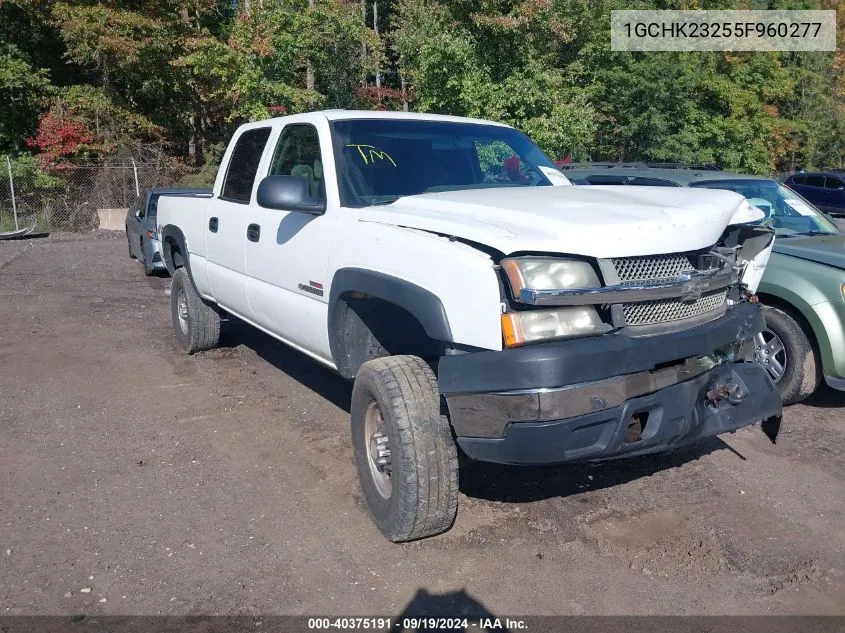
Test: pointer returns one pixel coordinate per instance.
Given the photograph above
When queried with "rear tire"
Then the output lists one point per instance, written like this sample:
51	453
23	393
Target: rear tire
196	322
129	244
404	452
786	352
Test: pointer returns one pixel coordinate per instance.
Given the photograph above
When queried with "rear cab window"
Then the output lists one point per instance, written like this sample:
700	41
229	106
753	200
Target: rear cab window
243	165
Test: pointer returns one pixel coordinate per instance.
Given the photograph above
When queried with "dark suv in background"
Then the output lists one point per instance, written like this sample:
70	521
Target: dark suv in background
826	190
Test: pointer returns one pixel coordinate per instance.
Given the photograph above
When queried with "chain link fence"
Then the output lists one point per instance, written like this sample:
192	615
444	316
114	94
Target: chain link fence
71	197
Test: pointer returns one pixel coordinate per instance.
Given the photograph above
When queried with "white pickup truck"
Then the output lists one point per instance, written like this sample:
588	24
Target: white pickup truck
476	300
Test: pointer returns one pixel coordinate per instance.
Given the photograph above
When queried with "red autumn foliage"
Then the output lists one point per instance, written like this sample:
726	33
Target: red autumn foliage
278	109
379	97
58	139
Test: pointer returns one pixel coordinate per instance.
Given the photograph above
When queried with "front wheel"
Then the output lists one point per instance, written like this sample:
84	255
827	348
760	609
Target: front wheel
195	321
404	452
787	354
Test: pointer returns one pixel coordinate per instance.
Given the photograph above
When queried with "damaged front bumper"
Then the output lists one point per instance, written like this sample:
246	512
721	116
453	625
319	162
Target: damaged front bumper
621	396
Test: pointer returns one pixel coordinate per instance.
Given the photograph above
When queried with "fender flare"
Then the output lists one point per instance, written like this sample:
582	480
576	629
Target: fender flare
422	304
173	234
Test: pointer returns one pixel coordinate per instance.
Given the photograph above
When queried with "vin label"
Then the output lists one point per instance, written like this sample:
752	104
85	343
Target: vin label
751	30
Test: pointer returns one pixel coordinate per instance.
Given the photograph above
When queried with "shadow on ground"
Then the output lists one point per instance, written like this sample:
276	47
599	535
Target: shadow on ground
453	607
306	371
493	482
826	398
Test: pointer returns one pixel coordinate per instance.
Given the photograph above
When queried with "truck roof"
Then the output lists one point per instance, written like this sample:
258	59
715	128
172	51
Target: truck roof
345	115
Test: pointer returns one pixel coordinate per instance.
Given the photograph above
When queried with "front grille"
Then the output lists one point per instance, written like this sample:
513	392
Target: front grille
652	267
655	268
667	310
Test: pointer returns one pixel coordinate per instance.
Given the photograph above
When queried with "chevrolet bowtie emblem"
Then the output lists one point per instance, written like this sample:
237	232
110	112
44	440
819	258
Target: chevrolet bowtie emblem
691	290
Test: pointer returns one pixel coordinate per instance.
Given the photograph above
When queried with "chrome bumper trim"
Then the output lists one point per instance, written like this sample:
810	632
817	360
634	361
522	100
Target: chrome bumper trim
488	414
687	287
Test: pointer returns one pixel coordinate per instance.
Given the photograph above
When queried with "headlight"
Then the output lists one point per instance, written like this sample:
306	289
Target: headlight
519	328
547	273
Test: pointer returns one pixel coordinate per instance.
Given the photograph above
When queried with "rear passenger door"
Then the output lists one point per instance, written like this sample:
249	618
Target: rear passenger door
287	259
227	219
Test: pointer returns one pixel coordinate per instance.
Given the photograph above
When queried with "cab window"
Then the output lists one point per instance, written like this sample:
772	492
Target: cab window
240	176
298	154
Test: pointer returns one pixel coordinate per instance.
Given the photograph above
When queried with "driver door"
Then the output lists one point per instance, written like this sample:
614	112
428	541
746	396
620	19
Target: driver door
287	255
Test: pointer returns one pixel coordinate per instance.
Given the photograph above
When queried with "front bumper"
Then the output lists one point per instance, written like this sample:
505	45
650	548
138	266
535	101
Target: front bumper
152	253
611	385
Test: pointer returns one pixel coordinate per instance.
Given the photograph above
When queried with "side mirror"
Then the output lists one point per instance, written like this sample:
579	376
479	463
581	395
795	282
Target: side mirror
289	193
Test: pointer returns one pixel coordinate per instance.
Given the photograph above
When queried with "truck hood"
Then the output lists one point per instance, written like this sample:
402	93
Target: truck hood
822	249
595	221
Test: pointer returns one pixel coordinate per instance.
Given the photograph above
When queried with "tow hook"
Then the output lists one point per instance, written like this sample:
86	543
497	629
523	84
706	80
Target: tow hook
749	296
730	391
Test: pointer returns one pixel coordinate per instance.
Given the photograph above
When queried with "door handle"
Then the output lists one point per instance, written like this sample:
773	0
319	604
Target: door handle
213	223
253	232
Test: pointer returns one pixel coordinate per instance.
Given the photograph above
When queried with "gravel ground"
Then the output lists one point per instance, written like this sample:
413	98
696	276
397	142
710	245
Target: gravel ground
137	480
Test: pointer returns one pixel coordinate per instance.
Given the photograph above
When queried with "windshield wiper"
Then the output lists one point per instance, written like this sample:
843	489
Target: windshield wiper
807	234
382	203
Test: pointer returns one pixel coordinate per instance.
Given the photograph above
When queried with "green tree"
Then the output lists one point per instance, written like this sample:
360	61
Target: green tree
22	92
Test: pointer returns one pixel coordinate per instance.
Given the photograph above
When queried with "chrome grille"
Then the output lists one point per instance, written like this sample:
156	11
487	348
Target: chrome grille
652	267
667	310
633	270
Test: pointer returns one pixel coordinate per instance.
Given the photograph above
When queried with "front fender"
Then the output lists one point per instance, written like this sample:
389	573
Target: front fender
422	304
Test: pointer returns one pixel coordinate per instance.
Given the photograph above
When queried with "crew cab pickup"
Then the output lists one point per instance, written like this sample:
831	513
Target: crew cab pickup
477	301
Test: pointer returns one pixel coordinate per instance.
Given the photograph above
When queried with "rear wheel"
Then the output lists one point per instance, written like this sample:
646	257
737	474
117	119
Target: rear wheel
195	321
129	244
404	452
784	349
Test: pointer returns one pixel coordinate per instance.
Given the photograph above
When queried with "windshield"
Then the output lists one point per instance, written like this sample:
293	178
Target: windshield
787	212
380	160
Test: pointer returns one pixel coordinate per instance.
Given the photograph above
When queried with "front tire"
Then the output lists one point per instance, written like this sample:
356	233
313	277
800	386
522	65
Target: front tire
195	321
787	354
404	452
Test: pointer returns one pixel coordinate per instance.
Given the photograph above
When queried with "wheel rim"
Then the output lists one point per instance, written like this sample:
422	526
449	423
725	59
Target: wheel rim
378	450
182	310
771	354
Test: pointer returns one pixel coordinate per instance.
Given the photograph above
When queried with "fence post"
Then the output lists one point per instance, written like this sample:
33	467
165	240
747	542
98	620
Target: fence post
12	187
135	171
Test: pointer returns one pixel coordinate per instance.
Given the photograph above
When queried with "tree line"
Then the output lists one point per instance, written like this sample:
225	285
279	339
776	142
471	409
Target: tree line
171	79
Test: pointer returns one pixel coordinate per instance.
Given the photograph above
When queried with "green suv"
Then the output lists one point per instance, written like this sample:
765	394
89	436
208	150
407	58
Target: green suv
803	288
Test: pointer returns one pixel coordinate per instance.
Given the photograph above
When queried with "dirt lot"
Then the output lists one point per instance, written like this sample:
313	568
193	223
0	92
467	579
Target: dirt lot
136	480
